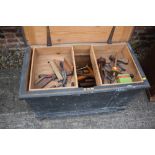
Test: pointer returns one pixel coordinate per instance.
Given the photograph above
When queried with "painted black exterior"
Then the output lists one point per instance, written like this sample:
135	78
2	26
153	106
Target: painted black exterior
79	101
84	104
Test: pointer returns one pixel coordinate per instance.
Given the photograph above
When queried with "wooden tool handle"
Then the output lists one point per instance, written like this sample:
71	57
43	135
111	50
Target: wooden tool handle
55	70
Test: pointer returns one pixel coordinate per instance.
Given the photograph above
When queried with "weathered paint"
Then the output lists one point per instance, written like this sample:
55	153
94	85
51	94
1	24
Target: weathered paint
79	101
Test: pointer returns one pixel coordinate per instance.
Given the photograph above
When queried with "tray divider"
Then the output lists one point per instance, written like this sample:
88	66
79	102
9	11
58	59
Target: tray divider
32	70
74	65
95	67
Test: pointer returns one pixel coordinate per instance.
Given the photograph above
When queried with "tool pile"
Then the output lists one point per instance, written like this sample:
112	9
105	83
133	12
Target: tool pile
85	77
62	75
114	70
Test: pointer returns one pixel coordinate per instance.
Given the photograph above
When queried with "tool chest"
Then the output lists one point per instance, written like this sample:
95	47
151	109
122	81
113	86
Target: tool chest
75	70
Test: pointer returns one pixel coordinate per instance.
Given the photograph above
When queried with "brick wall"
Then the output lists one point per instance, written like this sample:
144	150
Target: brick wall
11	37
142	40
11	47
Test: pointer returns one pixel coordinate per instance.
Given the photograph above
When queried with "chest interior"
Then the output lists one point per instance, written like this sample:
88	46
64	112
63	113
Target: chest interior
79	50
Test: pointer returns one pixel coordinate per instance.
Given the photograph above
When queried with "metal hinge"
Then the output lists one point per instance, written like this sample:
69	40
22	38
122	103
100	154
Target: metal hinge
111	35
49	40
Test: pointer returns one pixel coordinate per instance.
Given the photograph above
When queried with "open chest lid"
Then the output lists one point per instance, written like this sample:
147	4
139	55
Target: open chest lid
39	35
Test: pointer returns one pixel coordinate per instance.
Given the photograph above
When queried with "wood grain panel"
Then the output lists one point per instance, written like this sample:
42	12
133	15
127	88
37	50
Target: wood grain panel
79	34
36	35
122	33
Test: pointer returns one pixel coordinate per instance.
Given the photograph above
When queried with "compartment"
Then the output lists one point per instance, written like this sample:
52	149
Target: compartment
121	51
86	66
78	56
42	64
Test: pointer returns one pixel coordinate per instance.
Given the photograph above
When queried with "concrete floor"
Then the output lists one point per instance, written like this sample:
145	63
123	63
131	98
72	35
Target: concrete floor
15	113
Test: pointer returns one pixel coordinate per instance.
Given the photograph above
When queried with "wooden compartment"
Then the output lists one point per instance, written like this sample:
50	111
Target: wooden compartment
122	51
84	56
39	64
79	56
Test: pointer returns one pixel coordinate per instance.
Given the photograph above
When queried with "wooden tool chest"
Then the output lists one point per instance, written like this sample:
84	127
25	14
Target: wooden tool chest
75	90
